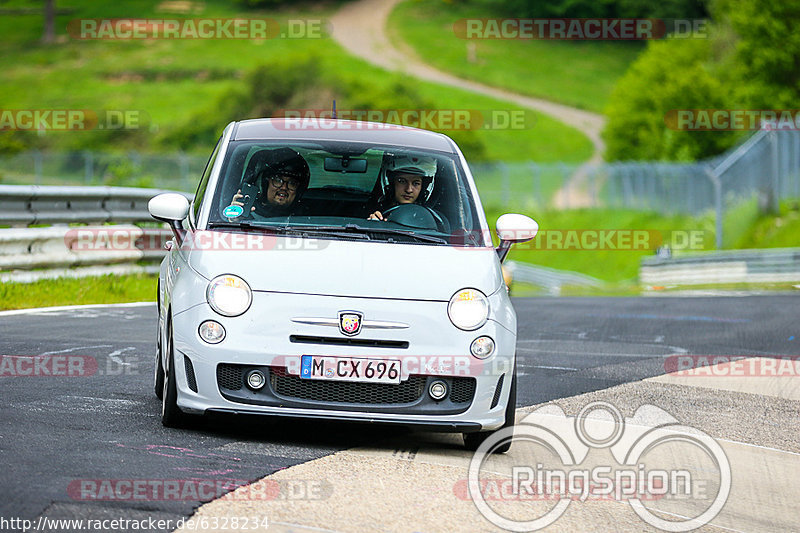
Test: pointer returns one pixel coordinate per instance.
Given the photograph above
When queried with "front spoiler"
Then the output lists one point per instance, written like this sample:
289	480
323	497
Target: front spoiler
441	427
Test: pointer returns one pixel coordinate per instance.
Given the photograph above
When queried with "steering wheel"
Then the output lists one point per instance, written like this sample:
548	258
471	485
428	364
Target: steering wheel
415	216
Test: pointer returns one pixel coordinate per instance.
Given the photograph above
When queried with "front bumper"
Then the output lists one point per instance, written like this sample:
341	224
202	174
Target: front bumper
266	338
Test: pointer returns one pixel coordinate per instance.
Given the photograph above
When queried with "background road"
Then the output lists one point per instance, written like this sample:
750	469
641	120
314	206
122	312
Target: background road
56	430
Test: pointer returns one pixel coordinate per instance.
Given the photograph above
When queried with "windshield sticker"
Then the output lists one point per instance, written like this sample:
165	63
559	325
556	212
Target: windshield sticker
233	211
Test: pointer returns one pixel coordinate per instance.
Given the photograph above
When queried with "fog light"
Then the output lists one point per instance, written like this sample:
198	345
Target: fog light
212	332
482	347
438	390
255	379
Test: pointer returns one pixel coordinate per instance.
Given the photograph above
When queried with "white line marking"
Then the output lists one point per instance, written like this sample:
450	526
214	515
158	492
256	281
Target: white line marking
114	356
554	367
76	349
70	307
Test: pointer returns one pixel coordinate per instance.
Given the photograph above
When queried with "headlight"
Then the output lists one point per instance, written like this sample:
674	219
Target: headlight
229	295
468	309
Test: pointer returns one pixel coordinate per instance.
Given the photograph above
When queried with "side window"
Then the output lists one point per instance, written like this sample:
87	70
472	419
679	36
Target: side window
201	188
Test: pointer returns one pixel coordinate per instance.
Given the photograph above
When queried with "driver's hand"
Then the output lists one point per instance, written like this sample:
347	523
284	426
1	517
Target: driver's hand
237	200
375	216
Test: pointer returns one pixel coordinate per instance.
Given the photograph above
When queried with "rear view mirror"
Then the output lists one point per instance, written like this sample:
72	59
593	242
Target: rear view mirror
345	164
513	228
172	208
168	207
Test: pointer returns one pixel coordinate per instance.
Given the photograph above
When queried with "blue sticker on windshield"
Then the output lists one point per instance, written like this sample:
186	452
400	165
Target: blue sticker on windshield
233	211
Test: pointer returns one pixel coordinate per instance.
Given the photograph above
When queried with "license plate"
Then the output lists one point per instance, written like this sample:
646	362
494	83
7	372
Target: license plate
350	369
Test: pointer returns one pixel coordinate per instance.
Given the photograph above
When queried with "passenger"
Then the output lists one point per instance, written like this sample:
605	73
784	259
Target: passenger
410	181
280	184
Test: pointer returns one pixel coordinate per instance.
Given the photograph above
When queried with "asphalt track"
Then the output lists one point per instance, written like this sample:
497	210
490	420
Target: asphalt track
57	431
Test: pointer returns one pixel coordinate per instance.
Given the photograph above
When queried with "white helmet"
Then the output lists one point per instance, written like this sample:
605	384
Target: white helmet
424	166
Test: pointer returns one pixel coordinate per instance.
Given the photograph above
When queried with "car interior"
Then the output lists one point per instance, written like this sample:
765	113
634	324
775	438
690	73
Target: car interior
346	183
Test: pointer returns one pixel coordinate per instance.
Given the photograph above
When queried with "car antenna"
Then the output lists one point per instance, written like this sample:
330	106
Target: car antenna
334	108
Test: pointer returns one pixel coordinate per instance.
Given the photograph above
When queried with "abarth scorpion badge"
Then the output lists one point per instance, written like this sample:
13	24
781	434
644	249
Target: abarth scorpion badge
350	322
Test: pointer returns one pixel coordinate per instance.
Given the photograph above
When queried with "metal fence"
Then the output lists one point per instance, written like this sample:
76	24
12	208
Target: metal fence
178	171
765	167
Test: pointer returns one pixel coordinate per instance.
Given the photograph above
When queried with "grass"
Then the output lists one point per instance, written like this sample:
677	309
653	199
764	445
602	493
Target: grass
169	80
743	227
771	231
612	265
91	290
577	73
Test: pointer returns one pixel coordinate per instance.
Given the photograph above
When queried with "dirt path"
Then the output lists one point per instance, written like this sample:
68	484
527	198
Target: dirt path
360	27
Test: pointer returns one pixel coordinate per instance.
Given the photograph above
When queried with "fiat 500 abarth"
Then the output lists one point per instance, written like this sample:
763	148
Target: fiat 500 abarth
344	271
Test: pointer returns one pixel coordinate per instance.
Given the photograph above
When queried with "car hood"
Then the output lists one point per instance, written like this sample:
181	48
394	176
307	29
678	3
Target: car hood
352	268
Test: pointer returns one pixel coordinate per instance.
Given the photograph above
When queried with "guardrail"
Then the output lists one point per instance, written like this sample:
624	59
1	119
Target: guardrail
550	279
774	265
60	250
24	205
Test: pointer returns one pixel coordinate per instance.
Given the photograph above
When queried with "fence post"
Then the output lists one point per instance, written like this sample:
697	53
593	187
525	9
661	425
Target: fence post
537	185
773	204
88	166
505	194
37	166
717	183
183	164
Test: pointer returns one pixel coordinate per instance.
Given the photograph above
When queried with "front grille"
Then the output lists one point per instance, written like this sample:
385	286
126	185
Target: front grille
291	386
498	388
190	378
346	341
229	376
463	390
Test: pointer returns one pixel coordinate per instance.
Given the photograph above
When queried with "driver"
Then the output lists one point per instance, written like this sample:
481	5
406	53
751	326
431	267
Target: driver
408	177
280	184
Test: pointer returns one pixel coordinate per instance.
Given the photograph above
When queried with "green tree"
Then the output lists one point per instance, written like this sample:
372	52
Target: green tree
766	60
670	75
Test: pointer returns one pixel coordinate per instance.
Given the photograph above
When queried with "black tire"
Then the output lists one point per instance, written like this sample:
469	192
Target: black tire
158	371
158	375
171	415
473	440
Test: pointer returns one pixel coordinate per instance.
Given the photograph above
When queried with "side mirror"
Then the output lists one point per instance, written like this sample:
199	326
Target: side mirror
513	228
171	208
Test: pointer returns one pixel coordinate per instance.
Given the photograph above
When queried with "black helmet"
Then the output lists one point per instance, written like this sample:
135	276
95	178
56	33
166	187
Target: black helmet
287	162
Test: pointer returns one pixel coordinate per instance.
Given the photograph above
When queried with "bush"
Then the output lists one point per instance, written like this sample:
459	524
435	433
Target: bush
299	83
669	75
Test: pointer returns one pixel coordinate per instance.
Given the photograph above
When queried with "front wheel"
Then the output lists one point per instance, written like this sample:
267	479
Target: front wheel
472	441
171	414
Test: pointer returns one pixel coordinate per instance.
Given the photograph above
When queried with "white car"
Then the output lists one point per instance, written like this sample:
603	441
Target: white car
342	270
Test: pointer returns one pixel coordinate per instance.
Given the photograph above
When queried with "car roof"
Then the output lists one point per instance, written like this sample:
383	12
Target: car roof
343	130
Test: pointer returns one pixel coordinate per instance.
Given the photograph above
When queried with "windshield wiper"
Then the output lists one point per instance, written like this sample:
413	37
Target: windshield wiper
391	231
328	231
245	225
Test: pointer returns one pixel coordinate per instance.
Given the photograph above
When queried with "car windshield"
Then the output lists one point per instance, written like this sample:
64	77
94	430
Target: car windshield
345	191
